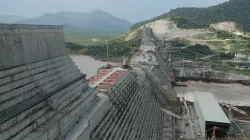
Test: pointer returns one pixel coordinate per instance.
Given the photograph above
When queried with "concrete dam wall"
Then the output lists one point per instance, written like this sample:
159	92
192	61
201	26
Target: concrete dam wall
43	95
24	44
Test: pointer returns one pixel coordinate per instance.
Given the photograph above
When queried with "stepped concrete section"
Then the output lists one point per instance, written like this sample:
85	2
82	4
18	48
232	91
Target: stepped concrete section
43	95
24	44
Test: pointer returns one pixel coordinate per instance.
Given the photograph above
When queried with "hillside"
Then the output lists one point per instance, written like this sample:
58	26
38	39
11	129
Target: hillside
96	22
119	46
4	18
233	10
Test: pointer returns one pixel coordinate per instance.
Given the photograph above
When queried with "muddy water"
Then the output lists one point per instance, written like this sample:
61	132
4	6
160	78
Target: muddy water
230	93
87	65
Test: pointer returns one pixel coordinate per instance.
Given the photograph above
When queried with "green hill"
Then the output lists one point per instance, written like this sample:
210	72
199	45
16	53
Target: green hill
118	46
233	10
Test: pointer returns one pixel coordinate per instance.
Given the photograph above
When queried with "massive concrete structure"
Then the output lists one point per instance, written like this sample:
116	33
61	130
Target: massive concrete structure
25	44
43	95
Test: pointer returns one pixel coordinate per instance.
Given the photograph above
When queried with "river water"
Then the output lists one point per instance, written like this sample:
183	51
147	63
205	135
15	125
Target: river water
87	65
235	94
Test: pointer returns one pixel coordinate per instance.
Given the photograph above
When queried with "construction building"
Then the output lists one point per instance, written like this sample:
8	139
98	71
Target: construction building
210	115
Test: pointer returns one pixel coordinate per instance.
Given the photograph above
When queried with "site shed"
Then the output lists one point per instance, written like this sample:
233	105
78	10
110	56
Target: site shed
210	114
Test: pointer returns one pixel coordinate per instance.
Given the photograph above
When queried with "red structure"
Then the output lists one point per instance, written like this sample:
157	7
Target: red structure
110	81
99	75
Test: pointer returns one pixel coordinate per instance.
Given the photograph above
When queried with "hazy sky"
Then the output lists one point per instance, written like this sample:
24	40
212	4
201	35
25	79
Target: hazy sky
132	10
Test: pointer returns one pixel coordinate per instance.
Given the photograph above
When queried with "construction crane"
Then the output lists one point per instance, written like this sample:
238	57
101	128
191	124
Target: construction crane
108	66
107	55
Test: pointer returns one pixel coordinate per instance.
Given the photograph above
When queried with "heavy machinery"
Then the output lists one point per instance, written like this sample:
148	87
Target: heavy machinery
126	61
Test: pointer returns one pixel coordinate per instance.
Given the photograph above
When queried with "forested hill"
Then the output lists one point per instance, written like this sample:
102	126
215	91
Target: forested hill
233	10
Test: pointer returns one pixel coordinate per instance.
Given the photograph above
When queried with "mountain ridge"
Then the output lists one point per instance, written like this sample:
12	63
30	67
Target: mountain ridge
95	22
233	10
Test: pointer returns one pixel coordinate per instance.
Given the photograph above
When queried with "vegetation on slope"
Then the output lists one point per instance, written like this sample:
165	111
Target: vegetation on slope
118	47
88	40
188	24
233	10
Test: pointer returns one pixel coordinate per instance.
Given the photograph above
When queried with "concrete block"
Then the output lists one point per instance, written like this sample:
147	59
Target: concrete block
13	130
23	133
4	97
65	124
40	120
17	125
82	101
49	114
7	124
27	87
53	131
4	135
24	123
36	136
65	103
72	95
104	106
79	130
30	111
85	135
10	103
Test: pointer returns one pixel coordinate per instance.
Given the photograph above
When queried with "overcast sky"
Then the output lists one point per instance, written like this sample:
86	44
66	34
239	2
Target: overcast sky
132	10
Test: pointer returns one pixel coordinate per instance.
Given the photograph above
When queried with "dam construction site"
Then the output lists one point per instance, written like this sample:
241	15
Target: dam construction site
44	96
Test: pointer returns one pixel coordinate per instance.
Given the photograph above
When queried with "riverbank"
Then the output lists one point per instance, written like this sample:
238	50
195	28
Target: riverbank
103	59
89	65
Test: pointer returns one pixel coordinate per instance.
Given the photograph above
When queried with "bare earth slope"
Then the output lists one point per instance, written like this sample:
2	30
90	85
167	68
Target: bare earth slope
165	29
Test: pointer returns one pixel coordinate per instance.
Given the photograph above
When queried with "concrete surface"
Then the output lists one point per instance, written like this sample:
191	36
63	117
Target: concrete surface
43	95
24	44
